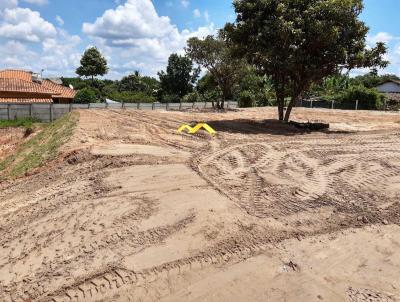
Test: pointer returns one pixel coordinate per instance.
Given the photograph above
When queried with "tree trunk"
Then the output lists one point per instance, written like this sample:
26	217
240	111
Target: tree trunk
218	104
280	97
290	107
280	109
222	103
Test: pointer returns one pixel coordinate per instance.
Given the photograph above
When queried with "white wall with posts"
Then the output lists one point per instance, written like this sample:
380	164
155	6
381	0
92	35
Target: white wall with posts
51	112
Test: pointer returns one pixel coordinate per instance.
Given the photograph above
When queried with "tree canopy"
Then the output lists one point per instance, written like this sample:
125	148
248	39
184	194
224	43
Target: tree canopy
180	76
214	54
371	80
92	64
86	96
298	43
138	83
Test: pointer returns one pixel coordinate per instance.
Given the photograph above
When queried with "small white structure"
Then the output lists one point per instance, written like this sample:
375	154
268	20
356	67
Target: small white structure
389	87
108	101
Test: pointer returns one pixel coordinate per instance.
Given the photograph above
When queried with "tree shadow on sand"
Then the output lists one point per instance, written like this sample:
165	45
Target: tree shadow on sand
269	126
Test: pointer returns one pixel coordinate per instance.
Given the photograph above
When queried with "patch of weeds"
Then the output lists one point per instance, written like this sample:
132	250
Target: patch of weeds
26	123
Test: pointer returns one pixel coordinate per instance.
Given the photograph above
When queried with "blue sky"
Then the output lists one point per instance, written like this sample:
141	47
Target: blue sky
135	34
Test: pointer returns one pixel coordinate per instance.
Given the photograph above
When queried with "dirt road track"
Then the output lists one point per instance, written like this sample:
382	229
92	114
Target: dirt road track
132	211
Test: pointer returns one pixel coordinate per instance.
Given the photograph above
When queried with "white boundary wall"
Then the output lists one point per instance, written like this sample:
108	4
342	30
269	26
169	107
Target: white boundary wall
50	112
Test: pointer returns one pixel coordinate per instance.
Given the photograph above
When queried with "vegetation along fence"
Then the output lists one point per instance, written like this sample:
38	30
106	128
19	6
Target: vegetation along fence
348	105
50	112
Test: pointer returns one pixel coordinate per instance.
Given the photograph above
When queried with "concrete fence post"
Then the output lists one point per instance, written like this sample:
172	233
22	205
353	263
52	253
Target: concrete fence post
51	112
30	110
138	105
180	105
205	104
227	104
333	105
311	103
356	104
70	107
193	105
167	106
9	112
88	106
152	106
123	105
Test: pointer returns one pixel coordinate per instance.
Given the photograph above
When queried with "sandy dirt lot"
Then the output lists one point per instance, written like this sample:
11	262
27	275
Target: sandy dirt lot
134	211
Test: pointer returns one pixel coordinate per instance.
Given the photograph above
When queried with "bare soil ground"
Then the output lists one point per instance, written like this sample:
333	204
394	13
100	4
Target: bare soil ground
133	211
10	139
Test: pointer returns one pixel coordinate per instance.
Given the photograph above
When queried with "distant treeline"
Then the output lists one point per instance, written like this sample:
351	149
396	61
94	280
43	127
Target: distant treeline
251	90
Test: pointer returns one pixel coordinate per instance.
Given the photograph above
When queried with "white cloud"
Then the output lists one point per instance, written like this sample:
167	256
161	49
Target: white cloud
8	4
58	56
393	54
134	19
29	42
60	53
26	25
131	36
379	37
185	3
60	20
207	16
196	13
134	36
15	54
397	50
359	72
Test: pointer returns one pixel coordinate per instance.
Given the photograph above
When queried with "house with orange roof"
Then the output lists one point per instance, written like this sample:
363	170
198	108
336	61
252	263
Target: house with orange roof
23	87
62	94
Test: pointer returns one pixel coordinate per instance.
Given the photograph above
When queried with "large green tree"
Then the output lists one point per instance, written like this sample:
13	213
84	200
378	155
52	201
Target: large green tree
92	64
300	42
180	76
214	54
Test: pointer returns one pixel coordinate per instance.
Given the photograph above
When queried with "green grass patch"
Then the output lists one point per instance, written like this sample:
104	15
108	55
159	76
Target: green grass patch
26	123
39	149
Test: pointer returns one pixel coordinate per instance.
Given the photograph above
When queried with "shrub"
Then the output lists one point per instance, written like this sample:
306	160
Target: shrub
369	99
246	98
250	98
85	96
192	97
170	98
131	97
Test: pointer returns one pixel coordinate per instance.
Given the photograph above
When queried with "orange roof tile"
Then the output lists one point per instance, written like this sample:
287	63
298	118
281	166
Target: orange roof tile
17	85
24	101
16	74
63	92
